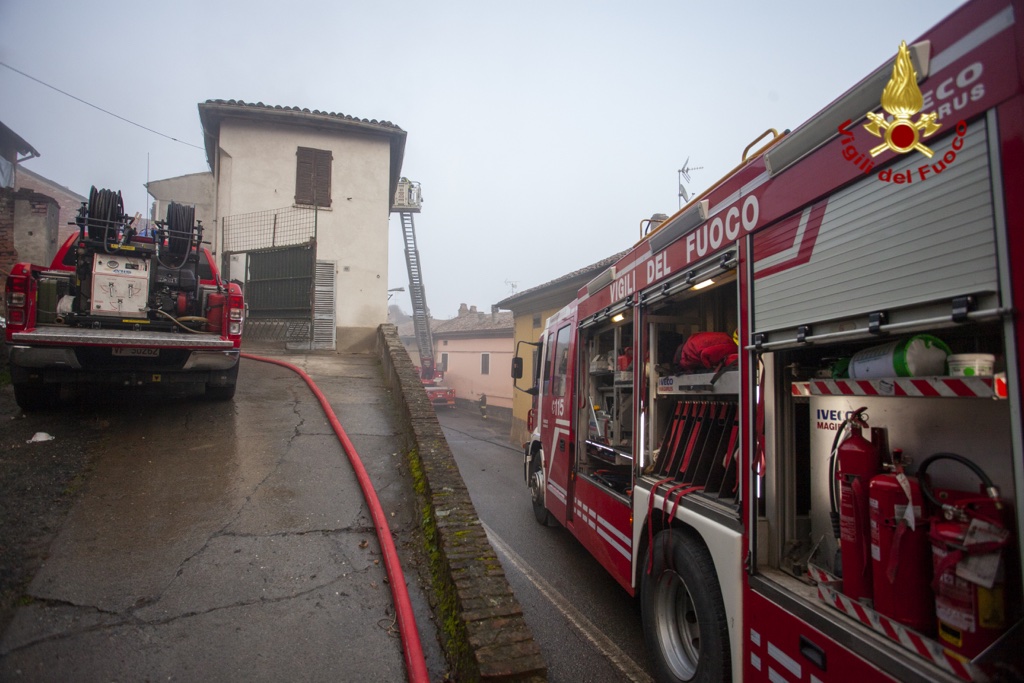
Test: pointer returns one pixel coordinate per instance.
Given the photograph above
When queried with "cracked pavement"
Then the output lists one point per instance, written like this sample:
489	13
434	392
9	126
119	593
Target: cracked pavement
230	541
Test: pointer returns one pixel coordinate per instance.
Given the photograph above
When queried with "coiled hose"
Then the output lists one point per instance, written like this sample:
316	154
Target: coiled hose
412	648
180	222
990	489
106	210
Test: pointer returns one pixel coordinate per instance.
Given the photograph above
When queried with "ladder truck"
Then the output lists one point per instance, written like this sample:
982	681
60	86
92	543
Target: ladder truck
408	198
789	419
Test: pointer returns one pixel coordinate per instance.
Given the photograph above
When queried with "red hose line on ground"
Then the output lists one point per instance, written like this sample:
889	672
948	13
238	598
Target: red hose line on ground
415	665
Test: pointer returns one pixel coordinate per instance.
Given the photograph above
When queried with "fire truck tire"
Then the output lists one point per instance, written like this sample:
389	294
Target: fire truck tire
683	613
31	397
540	512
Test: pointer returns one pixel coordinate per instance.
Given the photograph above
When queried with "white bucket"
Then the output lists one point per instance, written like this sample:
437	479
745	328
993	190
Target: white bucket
919	356
971	364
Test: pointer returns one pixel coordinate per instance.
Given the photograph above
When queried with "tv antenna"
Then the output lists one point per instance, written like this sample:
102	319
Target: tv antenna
684	175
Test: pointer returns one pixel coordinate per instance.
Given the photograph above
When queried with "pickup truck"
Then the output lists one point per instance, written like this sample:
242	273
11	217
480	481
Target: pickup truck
119	308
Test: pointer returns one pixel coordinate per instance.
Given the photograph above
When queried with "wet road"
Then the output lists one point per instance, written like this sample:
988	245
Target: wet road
587	626
228	541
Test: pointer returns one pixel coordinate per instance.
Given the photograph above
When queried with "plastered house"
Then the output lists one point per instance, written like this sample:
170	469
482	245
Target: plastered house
301	205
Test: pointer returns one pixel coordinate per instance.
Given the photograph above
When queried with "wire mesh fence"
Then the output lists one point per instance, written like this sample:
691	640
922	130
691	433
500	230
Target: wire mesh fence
266	229
261	234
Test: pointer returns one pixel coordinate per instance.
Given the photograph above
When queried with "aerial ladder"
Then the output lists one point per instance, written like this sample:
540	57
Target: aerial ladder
407	202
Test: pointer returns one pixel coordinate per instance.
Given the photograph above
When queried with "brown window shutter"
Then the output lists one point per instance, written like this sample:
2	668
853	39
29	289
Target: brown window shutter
322	177
304	175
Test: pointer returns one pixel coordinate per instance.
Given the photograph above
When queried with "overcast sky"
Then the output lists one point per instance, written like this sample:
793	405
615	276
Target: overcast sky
542	132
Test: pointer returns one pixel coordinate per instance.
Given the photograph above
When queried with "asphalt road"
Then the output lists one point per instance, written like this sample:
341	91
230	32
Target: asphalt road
226	541
587	626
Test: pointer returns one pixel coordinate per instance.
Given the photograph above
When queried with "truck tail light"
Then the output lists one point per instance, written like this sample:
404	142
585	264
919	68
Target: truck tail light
236	315
18	301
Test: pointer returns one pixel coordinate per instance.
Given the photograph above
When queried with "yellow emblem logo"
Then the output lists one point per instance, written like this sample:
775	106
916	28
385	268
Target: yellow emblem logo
902	99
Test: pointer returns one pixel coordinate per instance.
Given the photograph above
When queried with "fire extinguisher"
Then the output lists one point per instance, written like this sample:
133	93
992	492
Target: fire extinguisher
856	461
967	539
901	560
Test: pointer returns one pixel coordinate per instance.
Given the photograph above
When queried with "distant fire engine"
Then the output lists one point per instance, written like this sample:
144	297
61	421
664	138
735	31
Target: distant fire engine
789	420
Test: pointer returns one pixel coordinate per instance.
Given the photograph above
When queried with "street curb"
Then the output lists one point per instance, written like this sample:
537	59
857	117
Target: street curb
485	635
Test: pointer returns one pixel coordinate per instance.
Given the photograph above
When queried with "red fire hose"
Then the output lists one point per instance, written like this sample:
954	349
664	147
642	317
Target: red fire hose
415	665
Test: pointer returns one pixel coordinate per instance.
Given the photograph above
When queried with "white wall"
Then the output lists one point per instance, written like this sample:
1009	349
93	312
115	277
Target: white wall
256	166
196	189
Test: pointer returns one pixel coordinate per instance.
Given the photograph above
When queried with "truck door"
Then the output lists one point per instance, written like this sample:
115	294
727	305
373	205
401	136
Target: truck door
556	421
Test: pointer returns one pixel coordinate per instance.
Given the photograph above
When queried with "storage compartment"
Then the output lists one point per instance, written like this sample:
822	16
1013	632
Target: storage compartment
606	455
836	517
691	389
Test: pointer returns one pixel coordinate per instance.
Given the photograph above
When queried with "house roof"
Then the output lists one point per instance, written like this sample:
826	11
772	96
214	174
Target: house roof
10	139
476	324
407	329
570	281
24	171
167	188
212	112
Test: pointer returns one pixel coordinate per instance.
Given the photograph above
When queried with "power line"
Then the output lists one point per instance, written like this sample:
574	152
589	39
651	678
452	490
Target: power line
79	99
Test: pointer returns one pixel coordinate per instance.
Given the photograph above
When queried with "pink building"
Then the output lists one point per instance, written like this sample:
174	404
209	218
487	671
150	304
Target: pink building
475	351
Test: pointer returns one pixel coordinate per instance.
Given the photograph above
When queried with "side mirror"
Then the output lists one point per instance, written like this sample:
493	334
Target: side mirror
517	368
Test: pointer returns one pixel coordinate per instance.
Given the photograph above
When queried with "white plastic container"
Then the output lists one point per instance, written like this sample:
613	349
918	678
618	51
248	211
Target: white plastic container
919	356
971	364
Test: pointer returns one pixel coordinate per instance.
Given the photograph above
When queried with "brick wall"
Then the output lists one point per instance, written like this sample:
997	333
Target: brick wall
486	637
8	256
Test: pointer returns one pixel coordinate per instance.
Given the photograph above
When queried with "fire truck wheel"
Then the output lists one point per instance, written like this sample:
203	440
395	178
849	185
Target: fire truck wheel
537	493
36	396
683	614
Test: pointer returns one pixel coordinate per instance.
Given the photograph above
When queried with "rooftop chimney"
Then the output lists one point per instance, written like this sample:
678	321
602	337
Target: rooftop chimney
463	310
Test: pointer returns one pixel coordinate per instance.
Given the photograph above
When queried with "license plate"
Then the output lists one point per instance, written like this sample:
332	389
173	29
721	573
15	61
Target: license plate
134	352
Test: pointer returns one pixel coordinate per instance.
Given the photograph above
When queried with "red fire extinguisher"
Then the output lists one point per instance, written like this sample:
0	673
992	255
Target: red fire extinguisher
215	311
857	460
901	560
967	539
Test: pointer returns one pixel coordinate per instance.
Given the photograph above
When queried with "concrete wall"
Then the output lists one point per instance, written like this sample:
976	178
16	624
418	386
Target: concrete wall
255	171
35	227
67	200
464	376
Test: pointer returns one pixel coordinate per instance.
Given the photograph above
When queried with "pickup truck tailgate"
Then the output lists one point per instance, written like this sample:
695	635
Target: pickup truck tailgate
82	336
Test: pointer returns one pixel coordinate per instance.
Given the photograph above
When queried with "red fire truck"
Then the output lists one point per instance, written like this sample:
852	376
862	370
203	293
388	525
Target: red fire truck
789	420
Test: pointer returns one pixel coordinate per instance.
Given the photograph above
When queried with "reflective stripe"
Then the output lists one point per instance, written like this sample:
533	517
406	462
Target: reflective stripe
973	40
785	660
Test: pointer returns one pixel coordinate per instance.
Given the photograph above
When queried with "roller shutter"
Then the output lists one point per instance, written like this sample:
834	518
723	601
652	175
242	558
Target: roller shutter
883	246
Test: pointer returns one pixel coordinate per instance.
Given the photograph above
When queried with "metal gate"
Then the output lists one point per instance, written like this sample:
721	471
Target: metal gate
279	291
289	294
